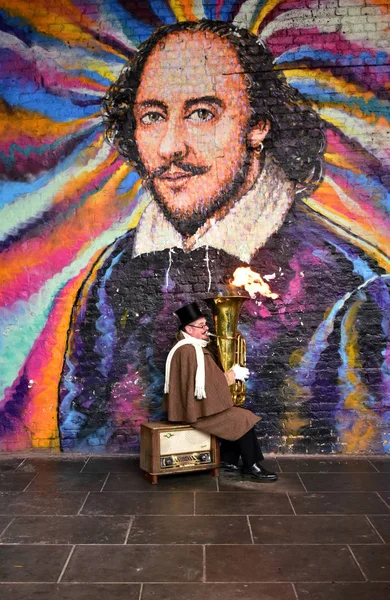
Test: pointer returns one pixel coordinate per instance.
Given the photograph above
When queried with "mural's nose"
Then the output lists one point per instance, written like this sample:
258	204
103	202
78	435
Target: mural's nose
172	143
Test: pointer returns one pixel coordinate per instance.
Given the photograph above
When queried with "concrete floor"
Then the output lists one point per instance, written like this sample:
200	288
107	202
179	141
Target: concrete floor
83	528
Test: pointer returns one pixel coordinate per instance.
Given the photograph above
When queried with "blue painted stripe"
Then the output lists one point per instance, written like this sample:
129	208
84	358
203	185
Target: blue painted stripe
60	110
348	59
226	10
164	12
135	30
210	9
359	265
128	183
320	92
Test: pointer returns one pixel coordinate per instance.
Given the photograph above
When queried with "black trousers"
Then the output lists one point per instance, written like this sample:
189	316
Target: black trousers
247	447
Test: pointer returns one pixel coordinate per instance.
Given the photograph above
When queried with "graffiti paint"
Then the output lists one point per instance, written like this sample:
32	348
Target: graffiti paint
101	243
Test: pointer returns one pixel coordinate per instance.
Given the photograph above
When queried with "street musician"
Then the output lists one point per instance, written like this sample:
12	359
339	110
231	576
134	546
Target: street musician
197	392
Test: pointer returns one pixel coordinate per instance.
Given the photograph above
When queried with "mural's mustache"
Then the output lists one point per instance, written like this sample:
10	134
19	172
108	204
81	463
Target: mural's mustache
186	167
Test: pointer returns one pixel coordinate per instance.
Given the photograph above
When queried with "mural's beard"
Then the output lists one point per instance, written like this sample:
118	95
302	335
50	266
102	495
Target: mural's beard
188	222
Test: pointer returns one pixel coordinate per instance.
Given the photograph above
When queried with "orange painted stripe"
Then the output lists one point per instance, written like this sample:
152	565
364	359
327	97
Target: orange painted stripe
15	122
40	417
70	237
182	10
266	9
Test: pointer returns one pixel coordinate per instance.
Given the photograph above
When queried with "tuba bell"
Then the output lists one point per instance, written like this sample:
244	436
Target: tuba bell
230	343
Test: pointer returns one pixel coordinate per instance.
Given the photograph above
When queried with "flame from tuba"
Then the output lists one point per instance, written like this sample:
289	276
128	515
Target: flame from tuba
231	345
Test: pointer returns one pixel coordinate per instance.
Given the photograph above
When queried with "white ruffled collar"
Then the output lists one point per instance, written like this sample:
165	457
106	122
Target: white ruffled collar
246	227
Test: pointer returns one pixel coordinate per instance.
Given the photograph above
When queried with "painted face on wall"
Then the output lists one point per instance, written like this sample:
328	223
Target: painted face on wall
192	110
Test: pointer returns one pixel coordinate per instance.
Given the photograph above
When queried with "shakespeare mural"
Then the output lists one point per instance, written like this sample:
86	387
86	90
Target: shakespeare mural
152	151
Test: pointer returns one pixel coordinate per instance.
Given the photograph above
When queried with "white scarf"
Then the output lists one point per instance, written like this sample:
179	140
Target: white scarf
200	391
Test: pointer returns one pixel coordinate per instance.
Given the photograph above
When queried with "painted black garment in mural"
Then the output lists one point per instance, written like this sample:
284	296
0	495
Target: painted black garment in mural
309	353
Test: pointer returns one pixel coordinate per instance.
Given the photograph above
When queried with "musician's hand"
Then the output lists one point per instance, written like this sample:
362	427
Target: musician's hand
240	373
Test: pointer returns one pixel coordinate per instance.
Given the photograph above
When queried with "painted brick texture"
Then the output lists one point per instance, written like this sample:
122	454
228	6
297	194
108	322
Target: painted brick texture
142	166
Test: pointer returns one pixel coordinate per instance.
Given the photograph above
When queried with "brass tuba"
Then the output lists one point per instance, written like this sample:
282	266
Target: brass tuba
231	345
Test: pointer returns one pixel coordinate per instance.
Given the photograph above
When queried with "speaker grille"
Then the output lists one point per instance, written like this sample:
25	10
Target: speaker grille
187	440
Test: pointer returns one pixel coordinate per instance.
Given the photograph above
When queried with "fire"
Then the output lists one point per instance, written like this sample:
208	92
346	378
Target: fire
252	282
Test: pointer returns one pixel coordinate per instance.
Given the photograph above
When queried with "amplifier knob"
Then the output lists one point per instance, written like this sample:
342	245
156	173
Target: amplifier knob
203	457
169	461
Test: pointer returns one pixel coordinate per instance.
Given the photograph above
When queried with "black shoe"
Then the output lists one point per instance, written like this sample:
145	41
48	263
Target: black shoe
265	471
226	466
259	473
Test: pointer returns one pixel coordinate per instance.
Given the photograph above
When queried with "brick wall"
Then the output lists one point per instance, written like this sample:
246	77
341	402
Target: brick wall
92	271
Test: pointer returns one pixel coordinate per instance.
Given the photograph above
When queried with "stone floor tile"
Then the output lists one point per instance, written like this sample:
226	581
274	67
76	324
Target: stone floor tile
385	497
346	482
68	482
4	522
280	564
216	591
14	482
382	464
139	503
189	482
9	463
105	464
52	465
32	563
339	503
67	530
135	564
190	530
287	482
382	525
135	481
374	561
343	591
324	465
241	503
70	591
41	503
313	530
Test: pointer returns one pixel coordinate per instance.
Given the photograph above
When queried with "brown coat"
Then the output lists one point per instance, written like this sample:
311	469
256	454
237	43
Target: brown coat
214	414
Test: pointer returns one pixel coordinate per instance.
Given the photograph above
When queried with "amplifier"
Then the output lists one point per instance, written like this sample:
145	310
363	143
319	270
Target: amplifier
171	448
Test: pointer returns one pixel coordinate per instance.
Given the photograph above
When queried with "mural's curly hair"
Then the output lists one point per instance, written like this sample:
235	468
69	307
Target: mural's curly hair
297	136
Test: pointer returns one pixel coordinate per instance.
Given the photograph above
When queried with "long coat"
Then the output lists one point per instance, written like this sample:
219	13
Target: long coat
214	414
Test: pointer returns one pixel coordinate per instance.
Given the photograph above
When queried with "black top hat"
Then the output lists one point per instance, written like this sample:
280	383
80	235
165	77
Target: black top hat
189	313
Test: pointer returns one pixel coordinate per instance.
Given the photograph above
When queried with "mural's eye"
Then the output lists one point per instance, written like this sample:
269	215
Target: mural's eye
200	114
151	117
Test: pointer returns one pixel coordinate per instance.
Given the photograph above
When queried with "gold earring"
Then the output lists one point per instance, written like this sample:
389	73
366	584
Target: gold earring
259	149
